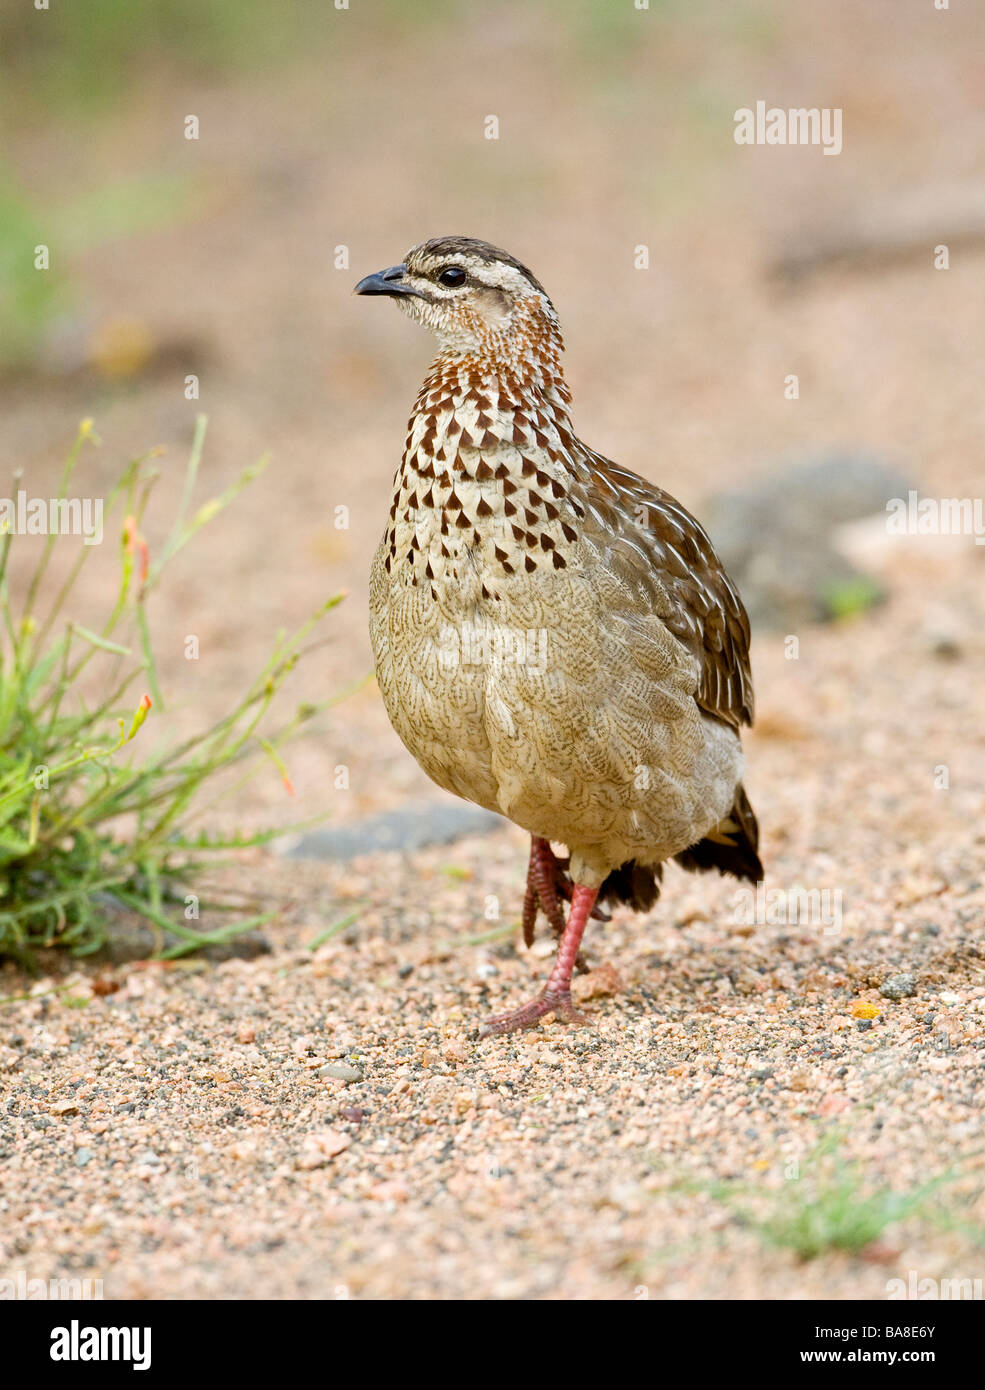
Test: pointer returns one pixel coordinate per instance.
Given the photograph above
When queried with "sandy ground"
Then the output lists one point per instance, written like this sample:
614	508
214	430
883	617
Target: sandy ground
322	1122
179	1130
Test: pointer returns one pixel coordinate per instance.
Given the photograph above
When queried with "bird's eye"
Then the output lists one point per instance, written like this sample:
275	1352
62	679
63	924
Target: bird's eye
451	276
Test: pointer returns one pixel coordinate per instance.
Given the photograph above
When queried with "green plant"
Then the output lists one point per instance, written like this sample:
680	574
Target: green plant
838	1211
81	819
830	1205
849	597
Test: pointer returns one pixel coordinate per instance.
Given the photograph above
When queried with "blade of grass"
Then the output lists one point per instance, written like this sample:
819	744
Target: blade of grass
336	928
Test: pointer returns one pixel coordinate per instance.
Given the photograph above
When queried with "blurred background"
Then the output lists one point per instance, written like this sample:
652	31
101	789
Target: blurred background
763	331
330	140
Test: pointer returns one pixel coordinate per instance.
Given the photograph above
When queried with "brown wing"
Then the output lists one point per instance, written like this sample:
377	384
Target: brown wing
706	612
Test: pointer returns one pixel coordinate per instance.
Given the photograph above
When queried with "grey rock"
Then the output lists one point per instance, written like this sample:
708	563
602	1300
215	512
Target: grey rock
776	538
898	987
82	1157
341	1071
407	828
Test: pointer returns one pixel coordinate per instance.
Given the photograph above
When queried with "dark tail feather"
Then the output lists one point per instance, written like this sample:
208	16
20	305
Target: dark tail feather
634	884
731	848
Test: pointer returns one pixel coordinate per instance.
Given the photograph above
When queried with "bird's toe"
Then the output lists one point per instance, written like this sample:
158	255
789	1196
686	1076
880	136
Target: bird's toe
549	1001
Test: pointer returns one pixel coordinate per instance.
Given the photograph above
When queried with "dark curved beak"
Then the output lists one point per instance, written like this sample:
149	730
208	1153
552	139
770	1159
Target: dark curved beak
389	282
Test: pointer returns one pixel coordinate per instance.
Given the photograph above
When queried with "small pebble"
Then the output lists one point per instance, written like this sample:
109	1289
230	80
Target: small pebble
319	1148
341	1071
898	987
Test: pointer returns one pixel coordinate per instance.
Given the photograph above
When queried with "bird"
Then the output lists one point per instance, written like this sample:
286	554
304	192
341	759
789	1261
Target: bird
555	638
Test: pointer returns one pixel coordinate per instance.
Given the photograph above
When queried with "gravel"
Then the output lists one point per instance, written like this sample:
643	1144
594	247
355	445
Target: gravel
323	1122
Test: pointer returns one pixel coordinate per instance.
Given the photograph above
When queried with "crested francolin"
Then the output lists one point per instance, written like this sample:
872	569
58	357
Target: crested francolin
555	637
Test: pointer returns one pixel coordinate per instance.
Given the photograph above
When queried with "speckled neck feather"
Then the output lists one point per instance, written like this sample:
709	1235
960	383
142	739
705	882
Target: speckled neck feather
487	468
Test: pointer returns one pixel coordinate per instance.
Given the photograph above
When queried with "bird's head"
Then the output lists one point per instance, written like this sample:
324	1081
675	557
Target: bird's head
476	299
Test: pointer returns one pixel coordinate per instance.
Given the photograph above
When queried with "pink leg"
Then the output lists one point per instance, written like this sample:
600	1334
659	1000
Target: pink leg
547	883
541	889
565	887
555	997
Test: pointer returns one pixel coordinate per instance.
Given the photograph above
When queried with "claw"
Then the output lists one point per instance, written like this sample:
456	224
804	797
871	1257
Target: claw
556	1002
529	911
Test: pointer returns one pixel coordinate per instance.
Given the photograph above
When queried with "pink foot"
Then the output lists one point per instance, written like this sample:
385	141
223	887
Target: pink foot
555	997
556	1002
